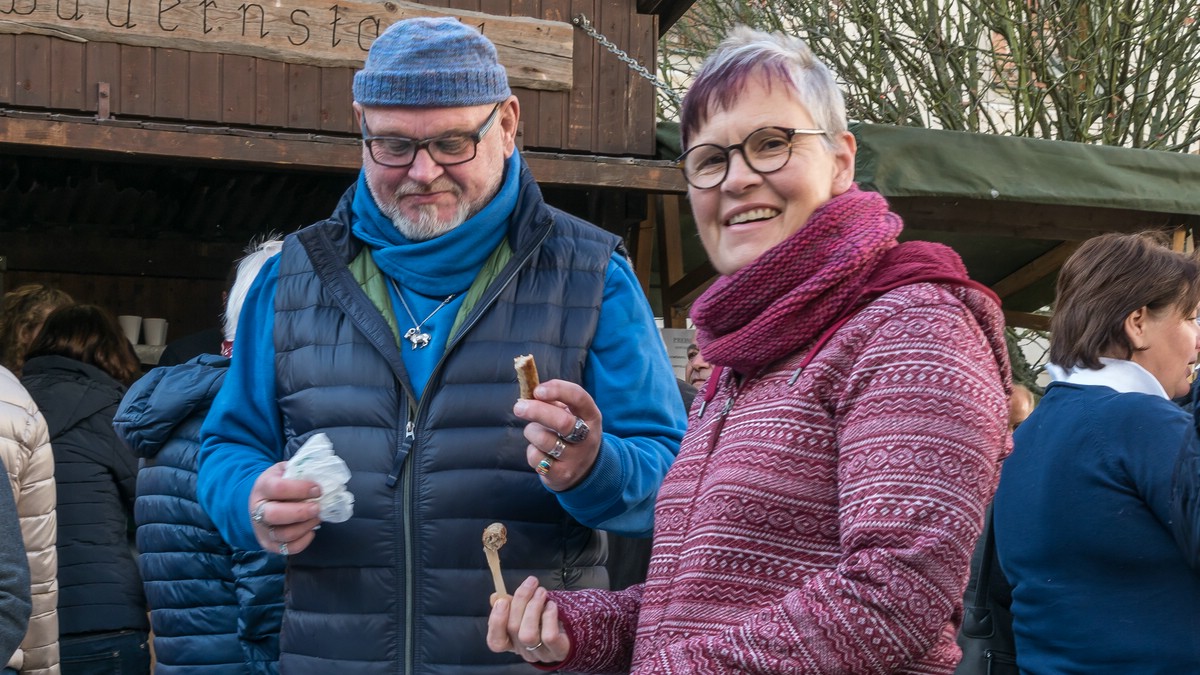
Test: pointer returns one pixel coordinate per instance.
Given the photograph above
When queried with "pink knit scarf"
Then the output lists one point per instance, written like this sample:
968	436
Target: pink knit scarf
787	296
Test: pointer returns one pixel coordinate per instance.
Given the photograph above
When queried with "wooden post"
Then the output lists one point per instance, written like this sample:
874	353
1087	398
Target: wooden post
103	101
1179	240
644	248
670	258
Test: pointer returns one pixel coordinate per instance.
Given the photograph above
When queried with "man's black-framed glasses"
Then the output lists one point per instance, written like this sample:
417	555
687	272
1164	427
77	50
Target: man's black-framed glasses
765	150
447	150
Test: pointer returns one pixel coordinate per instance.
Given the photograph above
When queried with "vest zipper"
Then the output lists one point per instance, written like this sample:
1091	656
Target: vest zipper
398	460
410	436
409	576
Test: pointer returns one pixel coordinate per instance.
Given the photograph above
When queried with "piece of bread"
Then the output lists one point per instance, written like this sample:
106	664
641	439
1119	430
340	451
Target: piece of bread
527	375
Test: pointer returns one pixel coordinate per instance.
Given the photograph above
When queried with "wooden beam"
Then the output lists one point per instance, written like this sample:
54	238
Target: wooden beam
175	143
1023	220
536	52
1179	240
612	172
643	252
102	255
1035	271
79	136
685	291
670	258
1026	320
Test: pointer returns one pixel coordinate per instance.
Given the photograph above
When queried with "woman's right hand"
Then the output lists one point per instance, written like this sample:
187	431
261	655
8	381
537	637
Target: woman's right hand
527	625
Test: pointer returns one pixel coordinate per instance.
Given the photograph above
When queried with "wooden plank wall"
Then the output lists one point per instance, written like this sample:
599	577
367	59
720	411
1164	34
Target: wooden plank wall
609	111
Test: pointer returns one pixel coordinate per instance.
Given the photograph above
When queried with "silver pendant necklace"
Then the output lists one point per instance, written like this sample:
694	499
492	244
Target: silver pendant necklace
417	335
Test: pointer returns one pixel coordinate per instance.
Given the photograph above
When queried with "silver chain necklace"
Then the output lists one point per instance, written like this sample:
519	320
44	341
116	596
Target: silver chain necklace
416	335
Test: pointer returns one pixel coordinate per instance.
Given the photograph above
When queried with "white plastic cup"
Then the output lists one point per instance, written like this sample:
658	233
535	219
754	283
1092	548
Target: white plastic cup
131	326
155	330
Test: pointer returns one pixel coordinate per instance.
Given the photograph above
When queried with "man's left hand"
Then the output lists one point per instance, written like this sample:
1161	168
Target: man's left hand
552	427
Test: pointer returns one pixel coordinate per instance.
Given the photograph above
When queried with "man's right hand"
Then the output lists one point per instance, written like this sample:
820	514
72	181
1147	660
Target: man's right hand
284	512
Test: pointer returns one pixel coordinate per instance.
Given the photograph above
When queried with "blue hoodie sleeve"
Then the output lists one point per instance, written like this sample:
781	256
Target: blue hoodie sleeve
243	433
630	377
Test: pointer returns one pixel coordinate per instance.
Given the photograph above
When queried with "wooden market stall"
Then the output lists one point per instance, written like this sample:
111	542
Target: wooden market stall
143	143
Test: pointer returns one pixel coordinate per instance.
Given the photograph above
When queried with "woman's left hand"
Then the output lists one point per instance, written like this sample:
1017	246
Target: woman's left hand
561	413
527	624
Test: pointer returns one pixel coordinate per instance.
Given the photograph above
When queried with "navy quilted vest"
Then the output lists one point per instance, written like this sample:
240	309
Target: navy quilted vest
403	586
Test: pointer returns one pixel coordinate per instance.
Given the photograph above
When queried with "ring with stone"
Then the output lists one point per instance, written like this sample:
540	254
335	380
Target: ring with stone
578	432
543	467
558	448
258	513
283	549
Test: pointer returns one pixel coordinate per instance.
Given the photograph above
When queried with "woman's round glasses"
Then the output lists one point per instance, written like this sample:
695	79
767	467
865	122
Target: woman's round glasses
447	150
765	150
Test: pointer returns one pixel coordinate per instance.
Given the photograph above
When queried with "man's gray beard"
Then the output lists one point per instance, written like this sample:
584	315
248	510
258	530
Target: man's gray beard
427	226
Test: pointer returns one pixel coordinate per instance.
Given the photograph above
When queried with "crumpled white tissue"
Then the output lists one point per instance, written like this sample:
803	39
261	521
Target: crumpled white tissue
315	461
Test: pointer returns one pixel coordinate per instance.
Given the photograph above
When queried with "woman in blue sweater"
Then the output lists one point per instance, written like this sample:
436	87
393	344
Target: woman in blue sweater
1087	523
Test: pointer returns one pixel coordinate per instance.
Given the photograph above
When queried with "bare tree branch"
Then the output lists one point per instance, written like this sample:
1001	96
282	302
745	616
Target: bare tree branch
1115	72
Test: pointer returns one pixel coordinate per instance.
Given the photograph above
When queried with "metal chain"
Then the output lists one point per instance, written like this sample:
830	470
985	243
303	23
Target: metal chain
581	21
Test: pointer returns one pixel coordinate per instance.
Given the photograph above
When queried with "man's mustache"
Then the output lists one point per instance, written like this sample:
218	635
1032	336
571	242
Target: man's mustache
440	185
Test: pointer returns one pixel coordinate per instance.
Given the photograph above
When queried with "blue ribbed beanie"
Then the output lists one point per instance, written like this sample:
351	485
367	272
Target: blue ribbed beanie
431	63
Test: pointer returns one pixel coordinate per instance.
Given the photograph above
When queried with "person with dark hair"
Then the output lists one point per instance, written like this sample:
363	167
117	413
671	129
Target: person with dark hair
15	605
1086	525
24	309
214	608
76	370
833	479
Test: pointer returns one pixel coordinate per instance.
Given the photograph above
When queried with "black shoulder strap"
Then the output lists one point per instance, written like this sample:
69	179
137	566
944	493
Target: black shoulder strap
983	580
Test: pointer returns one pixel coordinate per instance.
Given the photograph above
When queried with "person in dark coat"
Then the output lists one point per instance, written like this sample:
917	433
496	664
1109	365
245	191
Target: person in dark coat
214	609
76	370
15	605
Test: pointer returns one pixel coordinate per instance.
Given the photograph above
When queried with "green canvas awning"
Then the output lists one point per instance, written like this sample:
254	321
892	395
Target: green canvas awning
1014	208
912	162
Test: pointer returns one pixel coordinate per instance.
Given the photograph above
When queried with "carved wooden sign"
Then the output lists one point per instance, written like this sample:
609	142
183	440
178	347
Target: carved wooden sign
537	53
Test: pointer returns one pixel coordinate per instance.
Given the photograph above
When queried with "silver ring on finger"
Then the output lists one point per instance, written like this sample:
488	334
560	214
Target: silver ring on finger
578	432
258	513
283	549
543	467
271	533
558	448
534	648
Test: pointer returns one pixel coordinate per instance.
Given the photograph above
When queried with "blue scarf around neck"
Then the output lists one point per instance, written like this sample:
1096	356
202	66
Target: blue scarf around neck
445	264
427	272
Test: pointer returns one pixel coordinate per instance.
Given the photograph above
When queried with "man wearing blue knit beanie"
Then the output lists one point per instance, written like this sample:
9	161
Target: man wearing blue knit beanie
391	328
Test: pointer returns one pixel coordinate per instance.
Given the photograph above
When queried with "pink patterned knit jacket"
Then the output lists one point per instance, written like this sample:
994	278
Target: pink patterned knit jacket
822	521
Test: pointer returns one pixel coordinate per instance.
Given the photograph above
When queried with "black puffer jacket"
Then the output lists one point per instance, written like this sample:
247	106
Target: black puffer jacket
99	586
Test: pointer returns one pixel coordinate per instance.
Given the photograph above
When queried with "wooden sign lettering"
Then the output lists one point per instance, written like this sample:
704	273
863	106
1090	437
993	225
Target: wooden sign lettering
537	53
